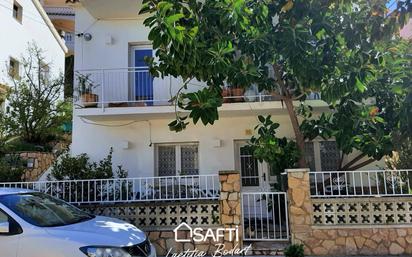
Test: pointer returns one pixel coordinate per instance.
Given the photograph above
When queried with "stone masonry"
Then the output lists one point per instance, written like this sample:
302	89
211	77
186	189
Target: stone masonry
230	204
339	239
41	162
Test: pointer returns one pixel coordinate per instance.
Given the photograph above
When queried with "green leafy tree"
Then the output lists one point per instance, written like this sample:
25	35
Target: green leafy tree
279	153
291	48
34	110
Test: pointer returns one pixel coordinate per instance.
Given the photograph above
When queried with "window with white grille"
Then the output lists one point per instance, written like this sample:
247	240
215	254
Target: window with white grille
177	159
329	155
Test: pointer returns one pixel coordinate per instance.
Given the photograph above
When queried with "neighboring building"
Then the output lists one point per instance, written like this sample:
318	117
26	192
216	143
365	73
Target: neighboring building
24	22
62	17
129	111
406	31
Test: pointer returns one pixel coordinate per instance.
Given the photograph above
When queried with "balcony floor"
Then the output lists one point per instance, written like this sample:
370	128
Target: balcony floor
167	112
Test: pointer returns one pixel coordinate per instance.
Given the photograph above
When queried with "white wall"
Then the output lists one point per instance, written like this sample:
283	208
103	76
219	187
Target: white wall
16	36
139	159
97	54
96	140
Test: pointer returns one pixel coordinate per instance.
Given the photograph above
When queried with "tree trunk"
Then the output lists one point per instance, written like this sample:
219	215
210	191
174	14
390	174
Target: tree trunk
300	140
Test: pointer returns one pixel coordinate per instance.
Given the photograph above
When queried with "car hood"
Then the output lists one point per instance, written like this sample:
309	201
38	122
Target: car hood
100	231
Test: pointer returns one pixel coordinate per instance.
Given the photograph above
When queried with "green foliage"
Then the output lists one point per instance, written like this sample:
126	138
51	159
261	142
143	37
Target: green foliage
294	250
347	50
402	159
369	121
85	85
279	153
11	168
77	167
202	105
34	110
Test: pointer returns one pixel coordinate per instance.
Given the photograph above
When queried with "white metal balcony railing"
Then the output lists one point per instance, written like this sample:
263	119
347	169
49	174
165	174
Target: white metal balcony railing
360	183
134	86
143	189
69	40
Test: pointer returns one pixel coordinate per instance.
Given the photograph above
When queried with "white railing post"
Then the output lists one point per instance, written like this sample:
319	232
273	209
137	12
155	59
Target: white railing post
102	93
360	183
171	188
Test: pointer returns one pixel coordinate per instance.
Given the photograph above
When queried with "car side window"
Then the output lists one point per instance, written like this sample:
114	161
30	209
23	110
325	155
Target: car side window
15	228
3	217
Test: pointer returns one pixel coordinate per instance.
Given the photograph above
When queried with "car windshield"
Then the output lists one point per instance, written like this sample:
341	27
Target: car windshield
43	210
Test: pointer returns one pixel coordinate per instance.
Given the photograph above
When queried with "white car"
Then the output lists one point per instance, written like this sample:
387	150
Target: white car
34	224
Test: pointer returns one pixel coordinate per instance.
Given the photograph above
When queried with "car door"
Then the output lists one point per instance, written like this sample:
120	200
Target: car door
9	242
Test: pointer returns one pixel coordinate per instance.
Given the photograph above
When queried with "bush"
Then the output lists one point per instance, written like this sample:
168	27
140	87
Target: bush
69	167
294	250
11	168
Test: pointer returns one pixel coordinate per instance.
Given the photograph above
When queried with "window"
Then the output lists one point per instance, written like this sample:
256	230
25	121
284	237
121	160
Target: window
329	155
45	71
17	11
322	155
177	159
310	155
14	68
43	210
3	217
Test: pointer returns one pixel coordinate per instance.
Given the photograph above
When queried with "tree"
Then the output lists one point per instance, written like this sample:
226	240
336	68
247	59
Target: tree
34	110
291	47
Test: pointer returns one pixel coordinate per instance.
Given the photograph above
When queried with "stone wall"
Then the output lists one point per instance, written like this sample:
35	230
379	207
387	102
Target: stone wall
41	162
230	204
345	234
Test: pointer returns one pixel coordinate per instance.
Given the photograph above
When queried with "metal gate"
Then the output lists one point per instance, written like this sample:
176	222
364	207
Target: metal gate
265	216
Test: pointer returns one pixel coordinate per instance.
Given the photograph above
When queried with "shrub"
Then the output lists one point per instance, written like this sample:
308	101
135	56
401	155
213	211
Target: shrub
11	168
69	167
294	250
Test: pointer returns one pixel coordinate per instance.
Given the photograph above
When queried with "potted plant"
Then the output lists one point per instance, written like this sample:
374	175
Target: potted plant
85	88
226	95
237	94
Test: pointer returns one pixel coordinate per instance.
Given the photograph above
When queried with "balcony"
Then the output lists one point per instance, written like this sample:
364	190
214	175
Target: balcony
69	41
133	91
109	9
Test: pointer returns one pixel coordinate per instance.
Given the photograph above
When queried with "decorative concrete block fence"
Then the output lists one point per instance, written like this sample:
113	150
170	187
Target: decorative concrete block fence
349	225
159	220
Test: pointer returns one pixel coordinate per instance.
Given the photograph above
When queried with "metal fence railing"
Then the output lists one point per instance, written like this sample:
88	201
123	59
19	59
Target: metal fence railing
171	188
265	216
360	183
135	87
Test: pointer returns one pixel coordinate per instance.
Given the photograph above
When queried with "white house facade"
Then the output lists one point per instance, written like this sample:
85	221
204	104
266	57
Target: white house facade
119	105
25	22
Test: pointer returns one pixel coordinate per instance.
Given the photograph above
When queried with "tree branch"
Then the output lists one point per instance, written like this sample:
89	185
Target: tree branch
353	161
362	164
